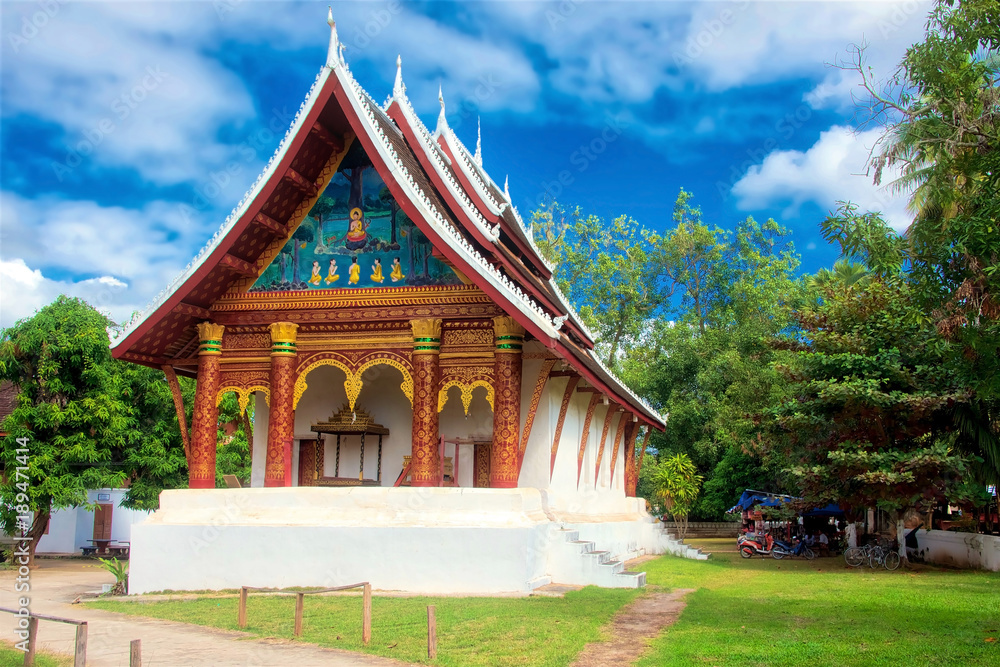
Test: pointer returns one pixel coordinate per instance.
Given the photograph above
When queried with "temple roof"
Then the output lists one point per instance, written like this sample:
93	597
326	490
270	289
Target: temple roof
442	187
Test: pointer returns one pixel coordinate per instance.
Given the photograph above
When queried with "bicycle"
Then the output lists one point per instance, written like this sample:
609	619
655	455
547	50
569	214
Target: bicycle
886	557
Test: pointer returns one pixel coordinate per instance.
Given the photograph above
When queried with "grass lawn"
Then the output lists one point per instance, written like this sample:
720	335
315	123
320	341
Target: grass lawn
744	612
768	612
471	631
12	657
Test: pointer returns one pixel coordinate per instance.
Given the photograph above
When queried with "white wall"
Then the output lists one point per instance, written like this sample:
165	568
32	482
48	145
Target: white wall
71	528
258	457
430	540
965	550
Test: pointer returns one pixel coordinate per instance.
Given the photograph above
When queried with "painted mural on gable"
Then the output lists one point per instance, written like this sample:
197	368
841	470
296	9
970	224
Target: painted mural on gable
355	236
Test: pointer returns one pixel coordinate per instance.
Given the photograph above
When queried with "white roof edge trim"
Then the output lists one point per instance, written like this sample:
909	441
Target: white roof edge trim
572	314
477	177
467	168
651	411
365	109
427	143
238	211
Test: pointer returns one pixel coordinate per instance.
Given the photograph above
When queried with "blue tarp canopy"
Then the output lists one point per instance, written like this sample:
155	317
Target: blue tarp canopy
751	498
829	510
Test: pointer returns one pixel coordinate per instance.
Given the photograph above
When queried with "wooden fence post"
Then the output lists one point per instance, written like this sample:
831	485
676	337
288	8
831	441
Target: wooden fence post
241	618
299	602
80	654
432	637
366	615
135	653
29	656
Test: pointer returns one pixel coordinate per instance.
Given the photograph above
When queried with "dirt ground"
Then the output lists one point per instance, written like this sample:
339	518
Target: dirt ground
632	627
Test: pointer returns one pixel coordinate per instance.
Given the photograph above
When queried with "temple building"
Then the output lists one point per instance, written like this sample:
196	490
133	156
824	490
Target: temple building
429	411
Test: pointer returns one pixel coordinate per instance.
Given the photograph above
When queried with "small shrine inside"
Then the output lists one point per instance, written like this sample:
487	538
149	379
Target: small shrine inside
376	273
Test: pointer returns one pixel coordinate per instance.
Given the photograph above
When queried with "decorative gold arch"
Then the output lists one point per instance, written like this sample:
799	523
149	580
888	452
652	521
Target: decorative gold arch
243	395
406	386
353	381
466	389
300	380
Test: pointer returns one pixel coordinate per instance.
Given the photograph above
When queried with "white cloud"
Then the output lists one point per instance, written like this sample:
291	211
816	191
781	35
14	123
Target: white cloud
26	290
832	170
128	83
114	257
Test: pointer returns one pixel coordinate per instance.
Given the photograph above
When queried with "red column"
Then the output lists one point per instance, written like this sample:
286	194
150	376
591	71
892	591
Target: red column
631	471
424	463
205	423
506	403
281	418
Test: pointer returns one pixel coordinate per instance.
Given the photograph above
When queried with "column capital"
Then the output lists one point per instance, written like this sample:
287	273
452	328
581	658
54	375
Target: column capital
509	334
283	338
210	338
426	336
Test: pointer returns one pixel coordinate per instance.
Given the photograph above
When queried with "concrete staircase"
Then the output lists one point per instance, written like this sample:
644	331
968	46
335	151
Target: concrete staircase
576	561
677	547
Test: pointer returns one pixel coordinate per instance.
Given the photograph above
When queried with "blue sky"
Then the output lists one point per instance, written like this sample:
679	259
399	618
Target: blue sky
118	118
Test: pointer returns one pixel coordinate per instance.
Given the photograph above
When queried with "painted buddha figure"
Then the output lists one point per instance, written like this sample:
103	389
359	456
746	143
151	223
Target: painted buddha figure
355	271
377	271
397	271
357	233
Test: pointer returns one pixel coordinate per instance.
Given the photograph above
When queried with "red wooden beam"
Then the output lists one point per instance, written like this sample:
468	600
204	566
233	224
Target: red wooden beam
327	137
302	183
269	223
240	266
193	311
612	409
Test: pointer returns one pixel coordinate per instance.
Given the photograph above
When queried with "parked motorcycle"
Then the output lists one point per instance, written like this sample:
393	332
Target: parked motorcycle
751	545
782	548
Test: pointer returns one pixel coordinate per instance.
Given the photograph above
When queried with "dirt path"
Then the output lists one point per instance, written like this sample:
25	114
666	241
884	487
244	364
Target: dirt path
640	621
56	583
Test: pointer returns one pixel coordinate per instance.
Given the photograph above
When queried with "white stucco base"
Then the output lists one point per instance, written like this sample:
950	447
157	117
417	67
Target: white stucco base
428	540
965	550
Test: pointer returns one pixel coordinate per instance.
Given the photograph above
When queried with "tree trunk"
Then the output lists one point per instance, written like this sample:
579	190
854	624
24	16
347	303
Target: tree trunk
354	199
34	534
392	220
295	262
852	534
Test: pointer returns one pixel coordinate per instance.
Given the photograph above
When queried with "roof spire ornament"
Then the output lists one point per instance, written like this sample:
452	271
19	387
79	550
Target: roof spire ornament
506	189
333	53
398	88
478	157
442	120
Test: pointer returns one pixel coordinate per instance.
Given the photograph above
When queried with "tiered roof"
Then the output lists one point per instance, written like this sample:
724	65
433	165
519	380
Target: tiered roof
441	186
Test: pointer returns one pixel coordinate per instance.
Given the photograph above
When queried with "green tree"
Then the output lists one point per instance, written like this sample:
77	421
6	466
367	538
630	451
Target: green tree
235	440
869	419
941	114
611	272
676	483
68	415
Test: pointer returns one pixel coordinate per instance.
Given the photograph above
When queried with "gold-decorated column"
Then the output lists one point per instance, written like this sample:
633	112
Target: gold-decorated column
205	422
506	402
424	457
281	418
